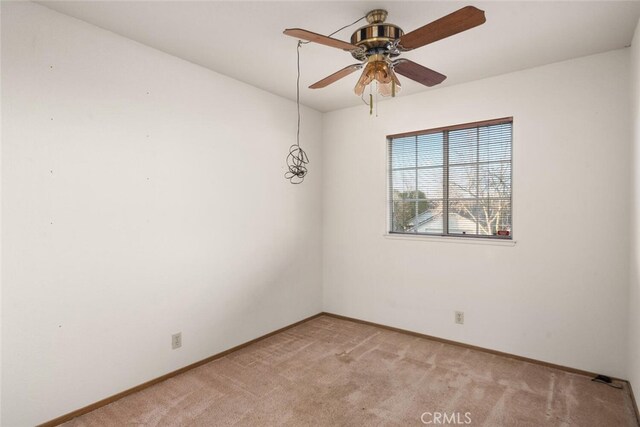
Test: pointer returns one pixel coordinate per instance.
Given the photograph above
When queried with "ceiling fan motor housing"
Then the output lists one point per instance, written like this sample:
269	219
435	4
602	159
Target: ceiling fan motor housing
377	35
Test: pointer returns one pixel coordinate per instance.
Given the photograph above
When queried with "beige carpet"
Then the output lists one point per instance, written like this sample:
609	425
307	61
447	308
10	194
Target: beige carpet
340	373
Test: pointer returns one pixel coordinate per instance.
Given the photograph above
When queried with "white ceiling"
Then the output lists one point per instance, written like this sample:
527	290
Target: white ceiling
244	40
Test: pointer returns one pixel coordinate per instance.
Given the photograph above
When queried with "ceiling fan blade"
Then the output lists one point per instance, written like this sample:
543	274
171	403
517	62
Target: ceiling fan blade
454	23
335	76
418	73
319	38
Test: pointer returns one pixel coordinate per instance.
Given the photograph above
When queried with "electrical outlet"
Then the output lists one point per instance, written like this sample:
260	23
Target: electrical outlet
459	317
176	340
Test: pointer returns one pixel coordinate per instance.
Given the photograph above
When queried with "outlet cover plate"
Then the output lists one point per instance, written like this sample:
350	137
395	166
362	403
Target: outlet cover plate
176	340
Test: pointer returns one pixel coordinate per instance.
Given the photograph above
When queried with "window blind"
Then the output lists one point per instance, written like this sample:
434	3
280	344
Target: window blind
453	181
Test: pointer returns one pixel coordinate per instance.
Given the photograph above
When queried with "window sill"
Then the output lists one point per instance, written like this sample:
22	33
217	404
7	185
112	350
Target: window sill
447	239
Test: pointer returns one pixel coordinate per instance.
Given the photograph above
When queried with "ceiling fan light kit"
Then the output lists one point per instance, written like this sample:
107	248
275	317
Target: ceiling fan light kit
380	69
379	44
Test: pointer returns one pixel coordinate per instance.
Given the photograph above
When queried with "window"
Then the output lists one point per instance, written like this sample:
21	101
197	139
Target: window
453	181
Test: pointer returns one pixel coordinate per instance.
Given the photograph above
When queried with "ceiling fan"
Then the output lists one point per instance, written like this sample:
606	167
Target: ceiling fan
378	45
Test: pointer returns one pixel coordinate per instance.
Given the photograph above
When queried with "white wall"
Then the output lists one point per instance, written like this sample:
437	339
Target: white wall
560	293
0	219
634	292
142	195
